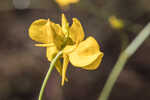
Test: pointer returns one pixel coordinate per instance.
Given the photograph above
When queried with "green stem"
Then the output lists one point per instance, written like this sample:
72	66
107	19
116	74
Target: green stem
48	74
128	52
113	76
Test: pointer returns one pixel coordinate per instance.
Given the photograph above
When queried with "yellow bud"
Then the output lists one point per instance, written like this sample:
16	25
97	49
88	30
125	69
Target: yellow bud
63	3
115	22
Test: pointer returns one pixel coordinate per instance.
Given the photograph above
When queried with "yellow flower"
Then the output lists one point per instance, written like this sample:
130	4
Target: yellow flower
64	3
81	53
116	23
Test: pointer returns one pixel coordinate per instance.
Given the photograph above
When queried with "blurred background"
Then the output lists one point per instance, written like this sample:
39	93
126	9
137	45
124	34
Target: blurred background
23	66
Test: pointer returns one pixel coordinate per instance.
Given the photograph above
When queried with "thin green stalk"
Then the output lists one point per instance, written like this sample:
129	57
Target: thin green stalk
128	52
48	74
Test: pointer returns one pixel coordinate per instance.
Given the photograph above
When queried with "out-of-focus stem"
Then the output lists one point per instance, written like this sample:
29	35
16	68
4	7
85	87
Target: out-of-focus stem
128	52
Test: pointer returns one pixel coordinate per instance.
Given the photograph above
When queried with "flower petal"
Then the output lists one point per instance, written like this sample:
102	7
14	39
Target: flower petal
95	64
58	35
86	53
76	31
45	45
57	29
65	66
69	48
51	52
40	31
65	24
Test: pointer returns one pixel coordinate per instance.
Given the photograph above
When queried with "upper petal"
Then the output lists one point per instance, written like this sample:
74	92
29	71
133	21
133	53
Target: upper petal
86	53
58	35
65	24
57	29
46	32
76	31
40	31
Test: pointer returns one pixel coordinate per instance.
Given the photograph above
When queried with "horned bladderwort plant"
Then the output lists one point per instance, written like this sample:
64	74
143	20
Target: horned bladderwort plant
127	53
67	43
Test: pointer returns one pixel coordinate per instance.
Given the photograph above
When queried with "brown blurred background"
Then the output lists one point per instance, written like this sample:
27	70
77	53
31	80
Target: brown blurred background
23	66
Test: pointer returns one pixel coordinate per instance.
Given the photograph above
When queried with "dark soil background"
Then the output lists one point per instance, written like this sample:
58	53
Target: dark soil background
23	66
